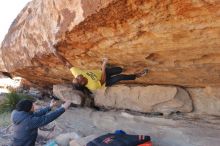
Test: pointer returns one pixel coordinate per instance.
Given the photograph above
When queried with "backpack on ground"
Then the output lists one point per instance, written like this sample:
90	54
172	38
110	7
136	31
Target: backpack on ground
121	140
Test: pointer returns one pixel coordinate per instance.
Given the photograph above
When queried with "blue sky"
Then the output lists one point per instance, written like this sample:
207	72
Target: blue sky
9	9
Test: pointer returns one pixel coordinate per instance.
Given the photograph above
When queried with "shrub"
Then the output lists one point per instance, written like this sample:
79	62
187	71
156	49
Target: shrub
11	100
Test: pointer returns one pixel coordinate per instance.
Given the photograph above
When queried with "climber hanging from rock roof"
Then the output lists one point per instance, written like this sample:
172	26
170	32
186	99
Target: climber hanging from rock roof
95	79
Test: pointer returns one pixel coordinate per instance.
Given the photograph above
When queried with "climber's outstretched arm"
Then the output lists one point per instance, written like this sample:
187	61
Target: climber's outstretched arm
103	77
63	60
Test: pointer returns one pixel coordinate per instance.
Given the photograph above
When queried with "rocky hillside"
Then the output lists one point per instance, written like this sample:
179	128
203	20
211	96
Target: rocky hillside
177	40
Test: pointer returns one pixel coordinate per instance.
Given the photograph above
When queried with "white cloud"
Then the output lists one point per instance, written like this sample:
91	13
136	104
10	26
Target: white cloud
9	9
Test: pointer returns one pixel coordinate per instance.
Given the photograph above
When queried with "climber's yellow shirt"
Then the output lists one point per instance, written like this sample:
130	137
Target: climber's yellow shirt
93	76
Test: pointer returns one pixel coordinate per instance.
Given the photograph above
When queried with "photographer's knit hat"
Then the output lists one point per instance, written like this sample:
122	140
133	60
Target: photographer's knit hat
24	105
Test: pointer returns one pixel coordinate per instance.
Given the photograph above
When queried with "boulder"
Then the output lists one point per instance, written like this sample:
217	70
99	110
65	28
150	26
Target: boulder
66	92
163	99
35	92
64	139
182	102
177	40
206	100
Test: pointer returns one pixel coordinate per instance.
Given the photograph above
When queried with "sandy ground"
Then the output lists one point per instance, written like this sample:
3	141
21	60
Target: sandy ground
176	131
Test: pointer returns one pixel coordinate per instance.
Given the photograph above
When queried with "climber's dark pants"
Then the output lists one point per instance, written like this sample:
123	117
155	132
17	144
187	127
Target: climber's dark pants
113	76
